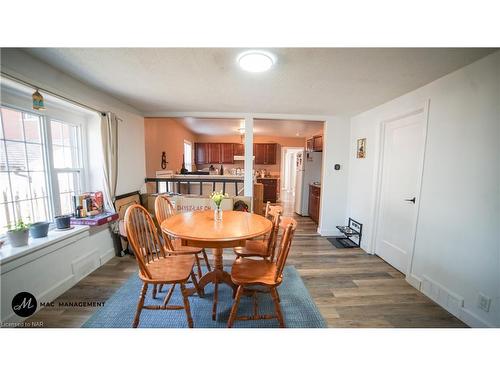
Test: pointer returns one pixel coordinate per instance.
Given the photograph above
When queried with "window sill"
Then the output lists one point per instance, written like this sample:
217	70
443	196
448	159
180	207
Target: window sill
9	253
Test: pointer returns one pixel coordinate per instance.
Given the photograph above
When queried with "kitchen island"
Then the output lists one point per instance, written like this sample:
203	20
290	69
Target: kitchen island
199	184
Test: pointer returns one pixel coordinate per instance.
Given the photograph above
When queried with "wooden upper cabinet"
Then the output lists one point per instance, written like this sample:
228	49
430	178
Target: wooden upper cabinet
214	153
227	153
265	153
259	151
201	153
239	149
318	143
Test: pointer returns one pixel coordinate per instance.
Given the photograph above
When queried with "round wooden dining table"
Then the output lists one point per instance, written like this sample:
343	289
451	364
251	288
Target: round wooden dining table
199	229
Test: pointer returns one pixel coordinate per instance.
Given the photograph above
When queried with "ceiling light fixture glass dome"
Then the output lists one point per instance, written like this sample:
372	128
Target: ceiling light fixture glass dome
256	61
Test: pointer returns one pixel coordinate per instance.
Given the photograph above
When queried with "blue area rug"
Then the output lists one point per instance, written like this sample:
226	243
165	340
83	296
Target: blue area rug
298	308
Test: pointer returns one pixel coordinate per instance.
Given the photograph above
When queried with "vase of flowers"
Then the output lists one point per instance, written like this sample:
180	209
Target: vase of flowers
217	198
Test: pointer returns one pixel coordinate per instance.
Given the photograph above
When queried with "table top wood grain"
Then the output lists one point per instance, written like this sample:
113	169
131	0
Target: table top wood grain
201	226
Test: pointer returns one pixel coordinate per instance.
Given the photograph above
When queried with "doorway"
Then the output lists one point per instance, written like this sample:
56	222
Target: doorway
401	165
289	172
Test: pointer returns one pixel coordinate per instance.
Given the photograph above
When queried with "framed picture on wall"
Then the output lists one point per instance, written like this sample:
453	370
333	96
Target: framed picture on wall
361	148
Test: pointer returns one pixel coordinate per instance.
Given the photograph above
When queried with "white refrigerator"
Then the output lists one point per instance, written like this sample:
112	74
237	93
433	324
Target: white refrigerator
308	171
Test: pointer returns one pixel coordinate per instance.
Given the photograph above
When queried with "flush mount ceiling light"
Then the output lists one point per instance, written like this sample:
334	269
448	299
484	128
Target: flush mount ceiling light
256	61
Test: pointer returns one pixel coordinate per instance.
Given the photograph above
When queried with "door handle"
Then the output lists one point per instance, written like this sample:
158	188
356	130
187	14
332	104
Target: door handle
411	200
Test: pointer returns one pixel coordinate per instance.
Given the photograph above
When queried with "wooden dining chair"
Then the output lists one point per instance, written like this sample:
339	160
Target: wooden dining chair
155	266
248	274
264	248
165	209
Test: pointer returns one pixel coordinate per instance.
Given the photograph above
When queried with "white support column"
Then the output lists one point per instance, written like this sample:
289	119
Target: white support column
248	156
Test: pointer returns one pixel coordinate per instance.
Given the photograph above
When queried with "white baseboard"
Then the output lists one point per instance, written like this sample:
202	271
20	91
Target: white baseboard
107	256
414	281
472	320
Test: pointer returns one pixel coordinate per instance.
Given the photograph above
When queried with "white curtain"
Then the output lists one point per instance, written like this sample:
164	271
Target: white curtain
109	139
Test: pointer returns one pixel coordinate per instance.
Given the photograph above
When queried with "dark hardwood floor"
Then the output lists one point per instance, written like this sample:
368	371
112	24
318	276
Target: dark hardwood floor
350	287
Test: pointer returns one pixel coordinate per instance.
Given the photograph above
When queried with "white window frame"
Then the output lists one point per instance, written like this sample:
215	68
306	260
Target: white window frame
65	117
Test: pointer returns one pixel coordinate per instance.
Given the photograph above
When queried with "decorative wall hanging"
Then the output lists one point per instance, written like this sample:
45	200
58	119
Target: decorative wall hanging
164	161
361	148
38	102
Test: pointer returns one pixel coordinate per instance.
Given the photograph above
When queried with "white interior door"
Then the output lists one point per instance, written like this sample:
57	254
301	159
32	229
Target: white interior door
403	150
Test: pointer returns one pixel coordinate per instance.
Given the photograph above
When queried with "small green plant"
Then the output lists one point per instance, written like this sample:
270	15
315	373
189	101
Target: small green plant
19	226
218	197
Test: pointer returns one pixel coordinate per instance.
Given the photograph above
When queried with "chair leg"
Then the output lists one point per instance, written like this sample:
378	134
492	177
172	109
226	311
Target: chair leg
206	260
186	305
160	288
198	265
140	304
216	294
199	290
169	294
154	291
277	307
277	294
234	309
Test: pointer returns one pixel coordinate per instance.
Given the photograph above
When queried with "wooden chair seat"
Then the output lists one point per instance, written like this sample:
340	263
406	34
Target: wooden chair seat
254	272
168	270
253	248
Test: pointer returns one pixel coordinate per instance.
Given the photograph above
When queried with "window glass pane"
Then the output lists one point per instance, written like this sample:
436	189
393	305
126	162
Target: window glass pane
58	155
66	205
4	188
20	185
6	217
68	187
12	124
1	126
38	185
16	154
40	210
32	128
22	210
3	157
56	133
35	157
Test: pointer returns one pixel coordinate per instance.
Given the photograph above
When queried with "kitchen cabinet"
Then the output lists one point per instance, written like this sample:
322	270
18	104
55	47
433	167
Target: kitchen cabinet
315	144
224	153
239	149
271	190
318	143
201	153
314	199
227	153
265	153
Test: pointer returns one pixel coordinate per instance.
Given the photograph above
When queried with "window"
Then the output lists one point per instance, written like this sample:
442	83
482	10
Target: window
40	166
188	156
67	164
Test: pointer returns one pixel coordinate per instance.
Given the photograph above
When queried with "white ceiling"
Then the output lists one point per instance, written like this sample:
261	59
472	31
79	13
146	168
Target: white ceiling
323	81
263	127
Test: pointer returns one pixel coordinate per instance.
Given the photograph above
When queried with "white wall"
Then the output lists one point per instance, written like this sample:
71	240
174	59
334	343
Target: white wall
334	183
131	153
457	249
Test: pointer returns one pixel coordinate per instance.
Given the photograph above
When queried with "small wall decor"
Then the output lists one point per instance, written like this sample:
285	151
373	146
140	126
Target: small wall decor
38	102
164	161
361	148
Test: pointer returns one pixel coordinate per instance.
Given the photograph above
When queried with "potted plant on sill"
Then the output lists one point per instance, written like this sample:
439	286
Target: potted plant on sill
18	235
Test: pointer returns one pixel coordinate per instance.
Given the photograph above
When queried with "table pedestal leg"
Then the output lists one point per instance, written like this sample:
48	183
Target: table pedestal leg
217	276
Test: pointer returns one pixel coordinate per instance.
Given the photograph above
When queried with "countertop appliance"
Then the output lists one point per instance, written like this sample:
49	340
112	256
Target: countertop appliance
308	172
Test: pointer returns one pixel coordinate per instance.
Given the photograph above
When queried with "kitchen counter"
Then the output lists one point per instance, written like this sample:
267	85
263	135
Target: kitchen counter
207	176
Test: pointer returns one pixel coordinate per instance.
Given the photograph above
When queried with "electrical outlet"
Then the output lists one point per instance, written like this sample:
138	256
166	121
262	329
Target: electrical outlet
484	302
